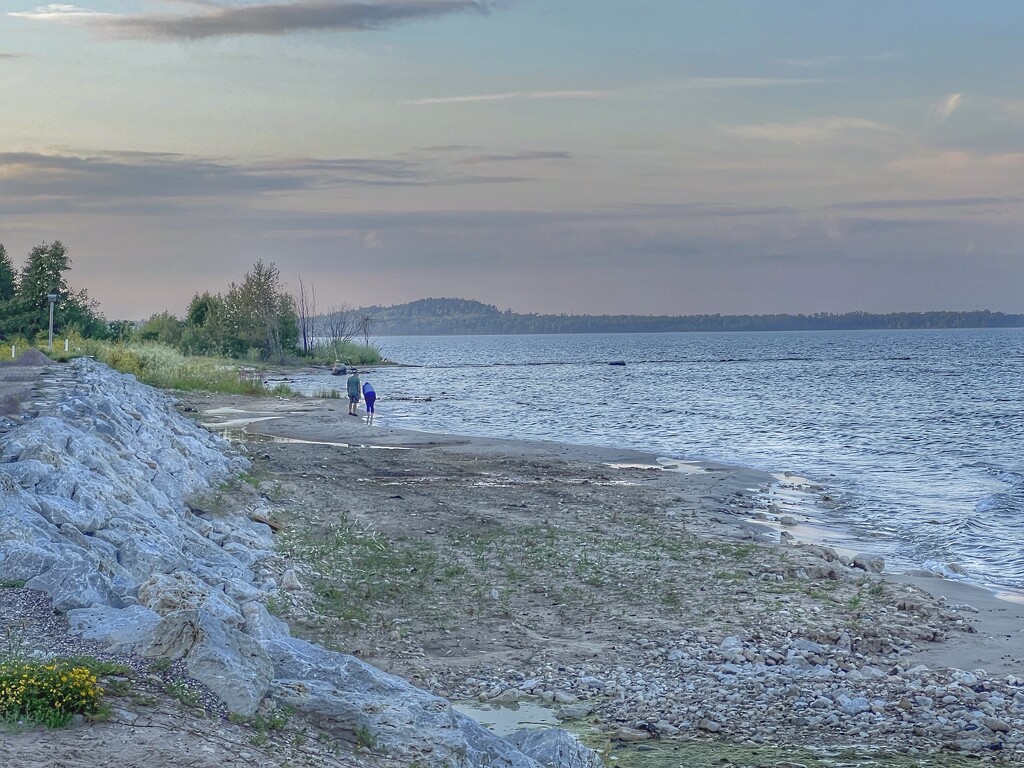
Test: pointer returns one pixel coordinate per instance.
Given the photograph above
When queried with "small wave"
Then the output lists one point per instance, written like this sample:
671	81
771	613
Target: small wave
946	570
989	503
968	525
1013	479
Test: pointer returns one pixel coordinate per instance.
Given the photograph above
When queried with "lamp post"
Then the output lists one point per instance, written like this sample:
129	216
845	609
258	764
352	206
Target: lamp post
53	300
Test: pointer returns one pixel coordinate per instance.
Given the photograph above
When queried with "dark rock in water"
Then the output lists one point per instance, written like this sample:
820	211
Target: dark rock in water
617	362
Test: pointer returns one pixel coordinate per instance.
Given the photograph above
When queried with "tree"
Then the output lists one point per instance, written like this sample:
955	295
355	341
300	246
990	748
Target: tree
202	309
8	291
42	275
163	327
307	316
205	332
120	330
261	318
365	326
338	324
8	277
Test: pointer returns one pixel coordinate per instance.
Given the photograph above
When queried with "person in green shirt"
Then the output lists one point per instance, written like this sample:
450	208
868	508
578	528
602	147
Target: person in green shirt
354	391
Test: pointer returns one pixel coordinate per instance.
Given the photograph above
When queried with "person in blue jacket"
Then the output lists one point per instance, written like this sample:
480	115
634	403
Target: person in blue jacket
370	397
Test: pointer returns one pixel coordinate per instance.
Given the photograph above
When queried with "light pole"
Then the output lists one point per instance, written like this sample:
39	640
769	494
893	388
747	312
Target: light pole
53	300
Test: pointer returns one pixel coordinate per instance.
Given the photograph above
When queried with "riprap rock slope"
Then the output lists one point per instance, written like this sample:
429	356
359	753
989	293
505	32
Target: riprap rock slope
93	512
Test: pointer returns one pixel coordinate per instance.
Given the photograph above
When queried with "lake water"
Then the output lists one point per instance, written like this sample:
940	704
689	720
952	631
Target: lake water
920	433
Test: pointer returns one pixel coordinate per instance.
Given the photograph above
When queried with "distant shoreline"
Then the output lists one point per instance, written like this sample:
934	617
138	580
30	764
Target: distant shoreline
461	317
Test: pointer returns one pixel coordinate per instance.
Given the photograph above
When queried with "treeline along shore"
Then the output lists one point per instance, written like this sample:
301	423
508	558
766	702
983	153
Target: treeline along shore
441	317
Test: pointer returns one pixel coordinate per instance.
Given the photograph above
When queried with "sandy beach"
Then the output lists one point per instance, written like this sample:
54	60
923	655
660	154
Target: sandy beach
513	561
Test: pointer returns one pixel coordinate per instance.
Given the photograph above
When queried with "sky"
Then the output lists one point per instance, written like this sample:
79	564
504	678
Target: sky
577	156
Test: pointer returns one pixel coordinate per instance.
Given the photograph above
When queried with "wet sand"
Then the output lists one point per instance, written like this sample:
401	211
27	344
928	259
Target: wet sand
996	643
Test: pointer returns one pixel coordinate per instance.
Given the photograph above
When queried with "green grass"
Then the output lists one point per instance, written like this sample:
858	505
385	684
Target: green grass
187	697
249	479
98	667
361	572
347	352
365	738
327	394
163	366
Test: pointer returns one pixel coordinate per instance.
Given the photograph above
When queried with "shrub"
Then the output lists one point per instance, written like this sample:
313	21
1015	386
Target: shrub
122	359
50	693
346	352
20	344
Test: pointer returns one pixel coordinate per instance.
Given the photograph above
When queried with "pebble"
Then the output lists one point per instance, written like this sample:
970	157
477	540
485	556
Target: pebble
830	689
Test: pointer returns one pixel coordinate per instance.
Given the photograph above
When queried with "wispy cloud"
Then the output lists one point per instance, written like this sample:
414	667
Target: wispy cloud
208	19
517	96
92	178
808	131
99	179
941	202
945	108
63	13
686	84
516	157
993	171
831	61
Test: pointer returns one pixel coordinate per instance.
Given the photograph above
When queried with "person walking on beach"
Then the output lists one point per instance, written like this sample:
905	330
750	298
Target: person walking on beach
354	391
370	396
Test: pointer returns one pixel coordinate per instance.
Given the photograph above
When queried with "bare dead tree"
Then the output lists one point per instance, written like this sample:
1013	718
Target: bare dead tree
307	315
338	324
365	328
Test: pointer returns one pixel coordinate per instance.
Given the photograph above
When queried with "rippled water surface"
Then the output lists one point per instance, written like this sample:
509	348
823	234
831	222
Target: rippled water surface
921	432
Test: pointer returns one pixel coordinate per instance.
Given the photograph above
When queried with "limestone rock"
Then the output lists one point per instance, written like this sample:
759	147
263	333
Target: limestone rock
630	735
117	628
231	664
869	563
343	696
555	748
75	583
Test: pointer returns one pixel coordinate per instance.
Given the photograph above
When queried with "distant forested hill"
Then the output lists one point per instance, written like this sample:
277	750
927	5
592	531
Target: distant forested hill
446	317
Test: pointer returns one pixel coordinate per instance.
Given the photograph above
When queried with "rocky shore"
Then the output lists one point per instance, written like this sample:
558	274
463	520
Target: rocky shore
636	605
98	478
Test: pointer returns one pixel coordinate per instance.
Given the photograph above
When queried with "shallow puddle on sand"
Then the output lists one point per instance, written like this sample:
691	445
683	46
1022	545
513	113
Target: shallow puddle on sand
1008	594
232	433
663	464
226	426
506	720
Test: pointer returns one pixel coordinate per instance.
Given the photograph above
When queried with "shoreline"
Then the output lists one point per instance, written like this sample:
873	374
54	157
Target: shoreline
997	619
631	603
893	513
780	483
628	603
